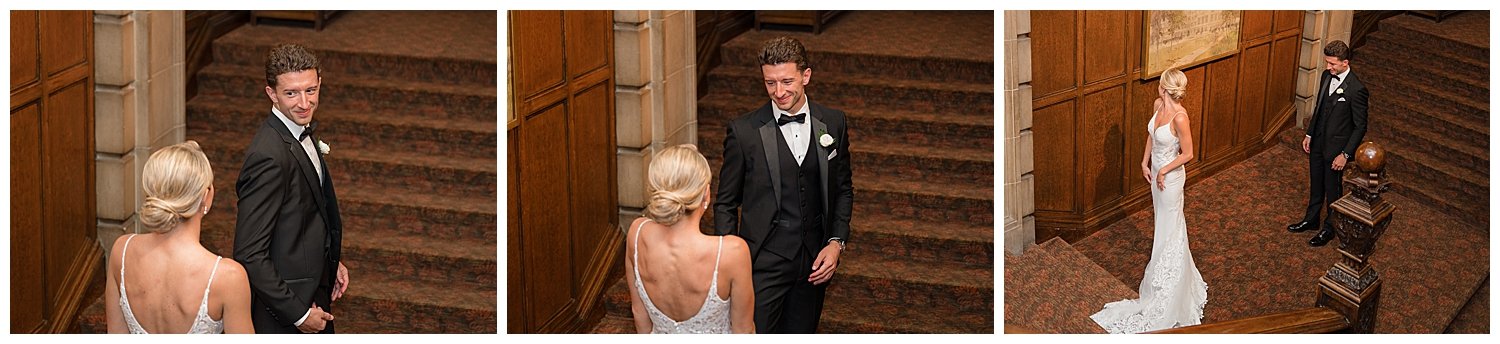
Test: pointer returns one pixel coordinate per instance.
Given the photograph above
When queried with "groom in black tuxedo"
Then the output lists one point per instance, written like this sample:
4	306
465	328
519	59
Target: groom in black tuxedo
785	188
1336	129
288	230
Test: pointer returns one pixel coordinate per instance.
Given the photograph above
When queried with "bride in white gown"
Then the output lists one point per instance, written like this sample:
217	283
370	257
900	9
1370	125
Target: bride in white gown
1173	292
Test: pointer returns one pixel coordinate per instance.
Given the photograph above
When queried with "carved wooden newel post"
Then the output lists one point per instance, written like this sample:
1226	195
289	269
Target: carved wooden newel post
1352	286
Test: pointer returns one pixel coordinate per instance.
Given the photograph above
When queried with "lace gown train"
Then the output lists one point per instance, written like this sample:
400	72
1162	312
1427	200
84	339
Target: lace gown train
1173	293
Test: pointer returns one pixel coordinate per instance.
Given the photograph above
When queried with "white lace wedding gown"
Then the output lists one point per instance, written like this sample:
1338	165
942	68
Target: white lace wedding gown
1173	292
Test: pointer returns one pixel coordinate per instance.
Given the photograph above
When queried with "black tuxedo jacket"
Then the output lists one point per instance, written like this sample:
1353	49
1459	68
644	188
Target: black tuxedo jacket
1338	122
288	229
749	181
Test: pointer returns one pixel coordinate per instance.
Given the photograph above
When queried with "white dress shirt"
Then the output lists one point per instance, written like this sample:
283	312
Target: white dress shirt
797	135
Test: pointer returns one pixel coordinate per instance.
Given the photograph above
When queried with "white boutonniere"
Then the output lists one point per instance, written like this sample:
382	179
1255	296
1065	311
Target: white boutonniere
824	139
1340	90
323	147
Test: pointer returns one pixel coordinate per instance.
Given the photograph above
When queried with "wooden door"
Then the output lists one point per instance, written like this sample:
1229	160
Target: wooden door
563	240
53	251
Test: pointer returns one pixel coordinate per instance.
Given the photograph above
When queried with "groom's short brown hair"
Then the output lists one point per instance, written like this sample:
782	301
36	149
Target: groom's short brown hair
1338	49
289	58
782	50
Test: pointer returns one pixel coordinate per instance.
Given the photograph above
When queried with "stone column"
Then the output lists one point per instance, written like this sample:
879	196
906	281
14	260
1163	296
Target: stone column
1020	188
656	98
139	105
1318	28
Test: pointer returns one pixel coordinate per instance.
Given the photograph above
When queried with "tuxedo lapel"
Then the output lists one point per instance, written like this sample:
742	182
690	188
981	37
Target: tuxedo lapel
818	128
1323	91
309	174
328	202
769	143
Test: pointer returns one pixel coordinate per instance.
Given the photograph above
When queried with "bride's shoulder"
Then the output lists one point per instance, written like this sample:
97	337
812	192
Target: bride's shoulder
231	274
734	242
1180	111
635	226
735	252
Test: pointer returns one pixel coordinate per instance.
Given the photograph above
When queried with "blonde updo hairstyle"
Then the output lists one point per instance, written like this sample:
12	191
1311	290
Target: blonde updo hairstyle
678	178
175	179
1175	82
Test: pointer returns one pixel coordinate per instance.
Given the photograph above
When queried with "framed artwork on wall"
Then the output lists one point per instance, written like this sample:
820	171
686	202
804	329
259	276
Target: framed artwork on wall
1184	39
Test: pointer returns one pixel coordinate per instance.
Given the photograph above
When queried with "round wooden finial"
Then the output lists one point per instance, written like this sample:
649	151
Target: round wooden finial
1370	157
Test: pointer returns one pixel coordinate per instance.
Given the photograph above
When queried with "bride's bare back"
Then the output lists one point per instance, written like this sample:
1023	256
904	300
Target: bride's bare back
677	270
164	283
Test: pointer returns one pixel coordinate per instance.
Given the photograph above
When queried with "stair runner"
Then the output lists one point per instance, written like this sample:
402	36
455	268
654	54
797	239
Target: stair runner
1429	105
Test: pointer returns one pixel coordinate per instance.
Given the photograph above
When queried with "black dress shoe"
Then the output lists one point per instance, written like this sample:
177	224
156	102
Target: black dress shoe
1301	227
1321	239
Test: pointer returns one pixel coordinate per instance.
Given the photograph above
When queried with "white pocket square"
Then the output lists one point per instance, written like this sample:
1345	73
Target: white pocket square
833	154
1341	99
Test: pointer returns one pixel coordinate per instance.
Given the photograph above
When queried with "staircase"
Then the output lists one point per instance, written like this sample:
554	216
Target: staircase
411	123
1035	300
1429	98
921	256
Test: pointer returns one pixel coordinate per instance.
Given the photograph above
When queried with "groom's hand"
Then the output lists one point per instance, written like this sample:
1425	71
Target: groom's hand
1338	162
1307	144
827	262
340	282
316	320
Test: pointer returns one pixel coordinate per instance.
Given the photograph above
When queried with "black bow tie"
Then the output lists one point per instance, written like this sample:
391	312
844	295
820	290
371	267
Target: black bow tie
307	131
1335	76
784	119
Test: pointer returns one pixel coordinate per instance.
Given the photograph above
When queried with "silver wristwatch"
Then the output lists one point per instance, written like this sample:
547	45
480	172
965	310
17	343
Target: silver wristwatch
840	241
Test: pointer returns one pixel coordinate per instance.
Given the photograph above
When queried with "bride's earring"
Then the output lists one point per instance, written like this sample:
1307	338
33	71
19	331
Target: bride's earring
208	200
703	201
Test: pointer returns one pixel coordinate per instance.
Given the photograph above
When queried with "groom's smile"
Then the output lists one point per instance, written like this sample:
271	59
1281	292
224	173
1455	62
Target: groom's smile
784	84
296	95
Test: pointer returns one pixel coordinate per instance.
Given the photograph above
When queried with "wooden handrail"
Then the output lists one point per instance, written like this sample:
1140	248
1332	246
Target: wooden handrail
1308	320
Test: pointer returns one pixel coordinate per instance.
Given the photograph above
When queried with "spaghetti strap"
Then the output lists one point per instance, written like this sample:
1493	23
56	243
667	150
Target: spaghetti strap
716	259
123	251
636	247
211	274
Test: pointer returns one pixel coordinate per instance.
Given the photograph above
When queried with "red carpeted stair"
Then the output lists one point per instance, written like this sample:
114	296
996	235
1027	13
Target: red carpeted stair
408	108
1430	101
921	112
1036	299
1429	85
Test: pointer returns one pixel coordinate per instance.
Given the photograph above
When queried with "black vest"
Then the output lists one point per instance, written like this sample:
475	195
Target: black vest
799	219
1325	104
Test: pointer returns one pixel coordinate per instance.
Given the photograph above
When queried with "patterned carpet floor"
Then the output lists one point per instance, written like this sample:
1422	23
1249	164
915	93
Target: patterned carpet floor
1431	262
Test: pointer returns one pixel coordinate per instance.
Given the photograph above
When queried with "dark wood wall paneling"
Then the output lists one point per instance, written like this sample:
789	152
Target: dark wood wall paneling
1091	108
54	255
562	232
